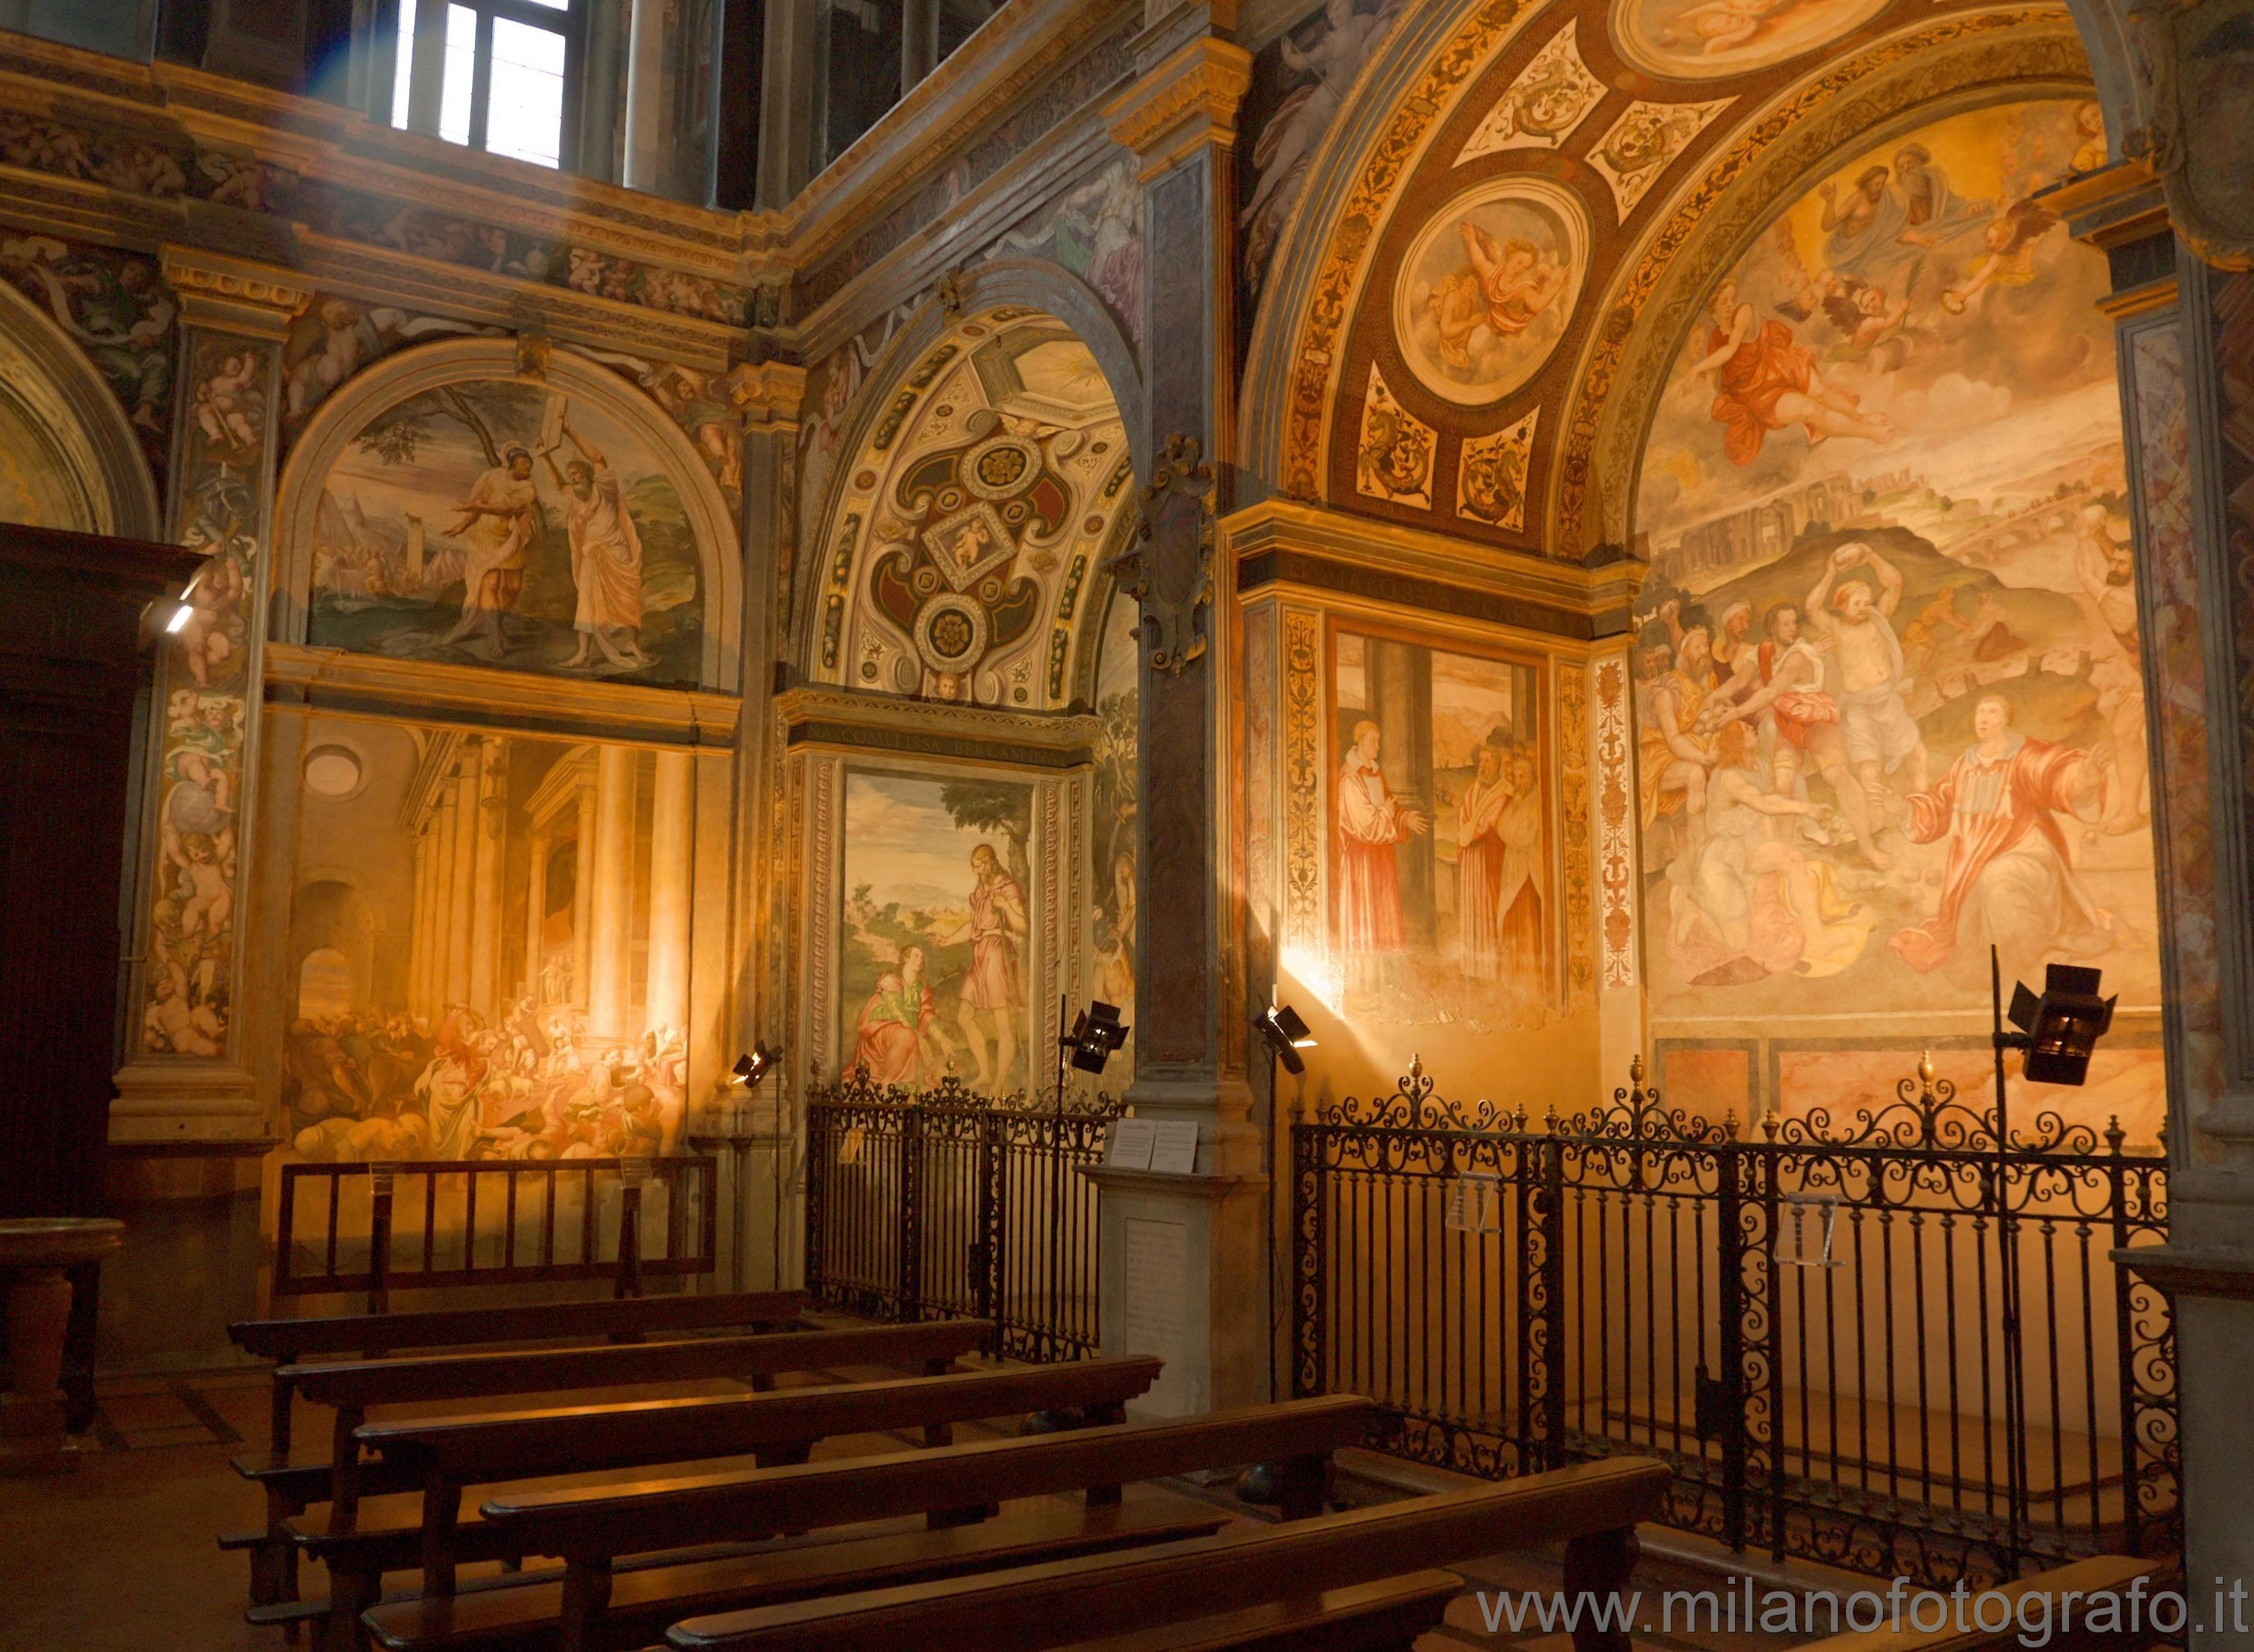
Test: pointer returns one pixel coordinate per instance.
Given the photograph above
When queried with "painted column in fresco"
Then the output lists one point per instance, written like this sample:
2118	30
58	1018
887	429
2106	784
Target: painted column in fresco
536	913
462	819
612	926
1176	1250
672	797
185	1075
582	901
485	882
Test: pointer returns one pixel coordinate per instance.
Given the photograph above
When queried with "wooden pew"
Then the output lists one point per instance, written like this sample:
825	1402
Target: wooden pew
289	1487
349	1389
1091	1601
596	1604
452	1453
2099	1575
629	1319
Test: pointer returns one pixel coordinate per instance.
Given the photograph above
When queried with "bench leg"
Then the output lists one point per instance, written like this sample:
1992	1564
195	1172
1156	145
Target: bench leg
1599	1565
350	1594
586	1602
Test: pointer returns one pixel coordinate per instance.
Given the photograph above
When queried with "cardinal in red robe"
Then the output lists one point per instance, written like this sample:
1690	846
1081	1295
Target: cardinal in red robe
1371	822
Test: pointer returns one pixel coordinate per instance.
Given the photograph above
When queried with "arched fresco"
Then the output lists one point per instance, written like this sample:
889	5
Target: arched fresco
457	507
69	456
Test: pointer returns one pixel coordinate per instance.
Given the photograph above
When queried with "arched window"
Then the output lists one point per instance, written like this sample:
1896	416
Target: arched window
495	74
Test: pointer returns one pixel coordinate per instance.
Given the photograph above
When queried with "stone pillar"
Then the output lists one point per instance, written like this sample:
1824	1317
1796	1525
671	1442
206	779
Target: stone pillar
462	810
1180	1254
583	899
536	913
441	900
2186	375
195	1084
610	942
672	797
486	986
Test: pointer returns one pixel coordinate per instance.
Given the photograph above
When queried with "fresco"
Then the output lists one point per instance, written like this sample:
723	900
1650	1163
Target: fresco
938	914
1111	930
117	308
1443	906
1299	83
1486	287
463	993
1888	695
188	1007
504	523
1707	39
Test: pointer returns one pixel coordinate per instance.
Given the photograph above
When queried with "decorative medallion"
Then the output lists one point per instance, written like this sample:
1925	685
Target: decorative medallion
998	468
1551	95
1642	142
1491	476
1488	286
968	544
1713	40
951	633
1395	457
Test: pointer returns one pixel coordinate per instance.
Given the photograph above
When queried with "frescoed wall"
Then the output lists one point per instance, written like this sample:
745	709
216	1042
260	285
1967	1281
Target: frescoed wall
1888	691
507	523
939	920
1111	834
487	947
1443	897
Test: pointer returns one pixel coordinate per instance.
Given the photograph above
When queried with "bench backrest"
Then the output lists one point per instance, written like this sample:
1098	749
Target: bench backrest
362	1383
2098	1575
1031	1609
461	1450
379	1333
599	1523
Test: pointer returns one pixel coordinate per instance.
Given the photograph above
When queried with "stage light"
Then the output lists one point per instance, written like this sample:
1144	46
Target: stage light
1096	1035
750	1069
1286	1035
2060	1027
181	615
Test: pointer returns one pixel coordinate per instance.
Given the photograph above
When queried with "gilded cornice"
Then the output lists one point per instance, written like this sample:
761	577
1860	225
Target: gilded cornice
769	395
1184	104
332	681
816	715
2112	206
236	295
1293	543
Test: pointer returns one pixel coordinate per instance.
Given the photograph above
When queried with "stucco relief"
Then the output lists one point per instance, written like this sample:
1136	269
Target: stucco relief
1540	109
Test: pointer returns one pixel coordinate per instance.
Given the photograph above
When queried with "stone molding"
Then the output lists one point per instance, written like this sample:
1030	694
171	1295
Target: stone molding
1183	105
332	681
816	715
234	295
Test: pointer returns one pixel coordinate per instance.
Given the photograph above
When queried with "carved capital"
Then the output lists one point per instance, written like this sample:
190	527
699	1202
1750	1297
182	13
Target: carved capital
1167	567
1184	104
768	394
234	295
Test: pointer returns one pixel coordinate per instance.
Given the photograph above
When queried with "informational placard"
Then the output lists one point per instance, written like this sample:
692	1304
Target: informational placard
1131	1141
1174	1149
1157	1278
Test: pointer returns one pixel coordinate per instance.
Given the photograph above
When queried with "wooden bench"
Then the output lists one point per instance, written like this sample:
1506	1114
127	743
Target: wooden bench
1592	1508
2099	1575
448	1454
350	1390
290	1487
952	1488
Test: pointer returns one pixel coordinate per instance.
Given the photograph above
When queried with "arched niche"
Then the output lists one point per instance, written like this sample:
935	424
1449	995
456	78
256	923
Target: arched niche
68	456
986	473
1430	74
371	507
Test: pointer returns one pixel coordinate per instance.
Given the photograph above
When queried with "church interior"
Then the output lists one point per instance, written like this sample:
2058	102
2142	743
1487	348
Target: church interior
1127	824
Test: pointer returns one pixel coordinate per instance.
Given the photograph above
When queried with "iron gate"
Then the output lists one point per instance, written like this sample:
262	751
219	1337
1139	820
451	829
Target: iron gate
1805	1325
922	1204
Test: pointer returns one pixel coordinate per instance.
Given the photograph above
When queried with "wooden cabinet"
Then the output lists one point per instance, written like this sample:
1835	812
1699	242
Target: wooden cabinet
74	661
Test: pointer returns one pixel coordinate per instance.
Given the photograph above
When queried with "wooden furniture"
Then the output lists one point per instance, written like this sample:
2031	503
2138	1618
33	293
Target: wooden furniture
291	1487
954	1489
450	1453
74	656
36	1255
2099	1575
1592	1508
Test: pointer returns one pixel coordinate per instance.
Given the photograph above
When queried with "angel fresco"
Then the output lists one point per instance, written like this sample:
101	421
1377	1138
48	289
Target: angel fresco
1508	283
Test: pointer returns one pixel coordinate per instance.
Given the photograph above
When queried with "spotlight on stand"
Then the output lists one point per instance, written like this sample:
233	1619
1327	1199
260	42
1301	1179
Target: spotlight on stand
1286	1034
1096	1037
750	1069
2059	1027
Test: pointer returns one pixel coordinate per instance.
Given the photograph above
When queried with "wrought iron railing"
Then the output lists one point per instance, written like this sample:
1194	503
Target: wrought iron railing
925	1203
1807	1326
422	1223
